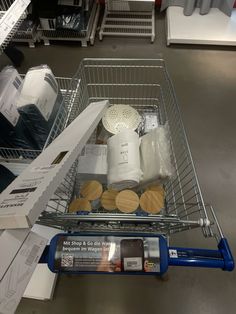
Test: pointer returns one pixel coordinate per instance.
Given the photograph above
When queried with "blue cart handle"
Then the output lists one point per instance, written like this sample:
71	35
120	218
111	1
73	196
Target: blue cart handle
221	258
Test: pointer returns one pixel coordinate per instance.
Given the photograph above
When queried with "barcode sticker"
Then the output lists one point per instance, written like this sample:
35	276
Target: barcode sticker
67	260
32	255
133	263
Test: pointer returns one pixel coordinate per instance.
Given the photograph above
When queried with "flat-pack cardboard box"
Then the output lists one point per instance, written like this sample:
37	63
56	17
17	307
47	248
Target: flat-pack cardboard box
42	283
26	197
18	274
10	243
92	163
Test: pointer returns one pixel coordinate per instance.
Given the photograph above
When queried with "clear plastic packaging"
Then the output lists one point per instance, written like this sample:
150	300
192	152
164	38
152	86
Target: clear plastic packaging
13	132
39	102
70	18
155	156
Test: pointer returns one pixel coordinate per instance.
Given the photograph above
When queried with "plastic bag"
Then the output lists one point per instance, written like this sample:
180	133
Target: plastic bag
155	156
13	131
39	102
70	18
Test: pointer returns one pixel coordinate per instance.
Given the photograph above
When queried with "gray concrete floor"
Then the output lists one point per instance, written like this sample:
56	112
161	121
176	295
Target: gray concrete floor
204	79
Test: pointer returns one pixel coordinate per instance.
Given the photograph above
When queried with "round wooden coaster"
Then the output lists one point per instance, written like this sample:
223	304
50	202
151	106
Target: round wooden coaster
127	201
152	202
157	188
80	204
91	190
108	199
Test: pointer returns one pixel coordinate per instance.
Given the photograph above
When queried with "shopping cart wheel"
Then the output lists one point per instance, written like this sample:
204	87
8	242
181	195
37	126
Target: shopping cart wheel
164	277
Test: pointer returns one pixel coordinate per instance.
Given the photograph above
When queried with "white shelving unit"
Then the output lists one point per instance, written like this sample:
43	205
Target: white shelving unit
27	33
11	16
129	18
214	28
86	36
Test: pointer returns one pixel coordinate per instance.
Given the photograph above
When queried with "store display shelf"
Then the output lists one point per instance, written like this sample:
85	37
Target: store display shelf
27	33
214	28
129	18
84	36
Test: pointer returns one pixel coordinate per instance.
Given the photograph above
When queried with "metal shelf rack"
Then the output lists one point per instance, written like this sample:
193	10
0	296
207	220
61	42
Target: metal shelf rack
85	36
27	33
129	18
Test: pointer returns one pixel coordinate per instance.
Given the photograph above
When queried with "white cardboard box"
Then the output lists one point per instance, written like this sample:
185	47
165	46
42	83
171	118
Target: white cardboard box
19	272
27	196
93	163
10	243
42	283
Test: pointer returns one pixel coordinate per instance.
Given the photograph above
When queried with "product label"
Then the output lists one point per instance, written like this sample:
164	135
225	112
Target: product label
8	103
151	122
127	154
10	112
124	154
43	169
107	254
173	253
24	189
20	194
133	263
94	150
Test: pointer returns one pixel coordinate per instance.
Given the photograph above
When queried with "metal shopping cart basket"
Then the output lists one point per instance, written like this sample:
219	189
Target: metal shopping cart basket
145	85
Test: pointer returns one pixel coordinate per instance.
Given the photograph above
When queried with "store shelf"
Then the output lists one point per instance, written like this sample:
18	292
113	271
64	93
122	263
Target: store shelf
27	33
214	28
84	36
129	18
11	19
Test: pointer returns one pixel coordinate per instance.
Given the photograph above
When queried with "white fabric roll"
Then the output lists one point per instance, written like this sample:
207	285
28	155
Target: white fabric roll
123	160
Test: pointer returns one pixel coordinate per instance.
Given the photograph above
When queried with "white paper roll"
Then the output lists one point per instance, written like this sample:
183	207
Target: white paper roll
123	160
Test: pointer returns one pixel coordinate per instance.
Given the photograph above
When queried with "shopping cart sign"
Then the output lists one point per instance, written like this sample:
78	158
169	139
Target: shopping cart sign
78	253
128	254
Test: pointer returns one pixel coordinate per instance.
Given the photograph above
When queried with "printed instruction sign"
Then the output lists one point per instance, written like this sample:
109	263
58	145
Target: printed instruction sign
107	254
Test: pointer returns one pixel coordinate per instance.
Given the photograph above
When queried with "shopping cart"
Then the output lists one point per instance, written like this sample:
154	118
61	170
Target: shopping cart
145	85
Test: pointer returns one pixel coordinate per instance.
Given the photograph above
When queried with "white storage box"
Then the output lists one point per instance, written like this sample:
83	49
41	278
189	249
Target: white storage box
47	24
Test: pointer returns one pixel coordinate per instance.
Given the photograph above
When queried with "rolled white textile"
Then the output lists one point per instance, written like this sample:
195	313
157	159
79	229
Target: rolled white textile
123	160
